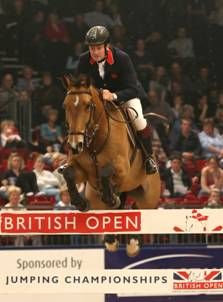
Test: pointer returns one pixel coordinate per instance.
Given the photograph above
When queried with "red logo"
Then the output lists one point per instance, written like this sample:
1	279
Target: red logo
197	280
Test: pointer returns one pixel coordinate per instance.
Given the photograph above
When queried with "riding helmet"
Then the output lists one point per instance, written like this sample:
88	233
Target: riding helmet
97	35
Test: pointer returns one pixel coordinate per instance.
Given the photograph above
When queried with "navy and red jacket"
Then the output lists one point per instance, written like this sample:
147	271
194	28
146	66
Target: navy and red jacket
120	76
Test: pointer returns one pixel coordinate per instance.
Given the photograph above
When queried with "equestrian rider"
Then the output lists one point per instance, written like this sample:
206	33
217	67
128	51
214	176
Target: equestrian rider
112	70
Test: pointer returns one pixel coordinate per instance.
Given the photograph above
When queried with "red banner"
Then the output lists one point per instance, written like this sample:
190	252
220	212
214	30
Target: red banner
70	222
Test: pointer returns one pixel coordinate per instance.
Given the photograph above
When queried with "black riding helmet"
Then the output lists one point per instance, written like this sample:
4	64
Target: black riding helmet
97	35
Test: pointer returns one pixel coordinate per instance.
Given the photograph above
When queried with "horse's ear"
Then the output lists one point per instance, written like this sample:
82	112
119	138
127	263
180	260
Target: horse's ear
84	80
66	80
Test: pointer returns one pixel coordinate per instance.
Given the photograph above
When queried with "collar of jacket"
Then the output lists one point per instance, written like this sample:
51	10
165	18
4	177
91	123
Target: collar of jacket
109	58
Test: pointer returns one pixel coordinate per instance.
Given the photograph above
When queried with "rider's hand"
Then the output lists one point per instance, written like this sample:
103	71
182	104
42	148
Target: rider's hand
108	96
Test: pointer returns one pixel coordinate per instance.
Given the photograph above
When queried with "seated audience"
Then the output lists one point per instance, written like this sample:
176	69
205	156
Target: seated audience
178	183
187	141
47	183
65	202
9	137
211	177
14	203
214	199
211	141
50	132
17	175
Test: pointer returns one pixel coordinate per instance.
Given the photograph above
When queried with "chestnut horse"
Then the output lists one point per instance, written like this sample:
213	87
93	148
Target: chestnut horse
102	154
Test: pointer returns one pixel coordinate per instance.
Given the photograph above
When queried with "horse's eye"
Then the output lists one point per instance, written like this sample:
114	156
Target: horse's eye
89	106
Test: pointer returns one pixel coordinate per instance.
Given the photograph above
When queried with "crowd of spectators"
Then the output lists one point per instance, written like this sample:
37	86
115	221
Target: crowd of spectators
177	54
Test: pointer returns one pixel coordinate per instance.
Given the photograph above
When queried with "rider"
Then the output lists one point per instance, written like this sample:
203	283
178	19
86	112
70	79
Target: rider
112	70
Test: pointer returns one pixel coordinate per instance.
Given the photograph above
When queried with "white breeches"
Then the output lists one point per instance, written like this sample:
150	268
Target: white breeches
138	120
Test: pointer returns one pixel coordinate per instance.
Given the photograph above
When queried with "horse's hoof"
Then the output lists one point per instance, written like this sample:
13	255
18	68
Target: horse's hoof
112	247
83	205
133	247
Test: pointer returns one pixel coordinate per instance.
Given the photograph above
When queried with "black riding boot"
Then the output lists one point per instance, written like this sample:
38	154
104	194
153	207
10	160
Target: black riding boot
145	139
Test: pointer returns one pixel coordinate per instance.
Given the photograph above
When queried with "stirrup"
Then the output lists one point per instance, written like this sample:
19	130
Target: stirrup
150	165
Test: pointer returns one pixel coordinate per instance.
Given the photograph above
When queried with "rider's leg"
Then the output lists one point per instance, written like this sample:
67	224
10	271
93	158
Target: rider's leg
144	132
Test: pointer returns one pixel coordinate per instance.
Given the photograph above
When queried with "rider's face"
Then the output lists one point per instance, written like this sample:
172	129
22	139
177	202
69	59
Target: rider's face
97	52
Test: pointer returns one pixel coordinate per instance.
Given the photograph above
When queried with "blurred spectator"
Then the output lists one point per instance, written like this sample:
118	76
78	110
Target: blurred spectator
182	46
198	11
73	57
178	183
9	136
211	177
16	175
34	39
214	199
14	205
159	80
177	107
98	17
50	132
219	103
47	183
65	201
157	48
187	141
17	18
187	112
202	110
211	142
203	81
219	120
46	97
59	159
26	81
57	36
159	106
118	36
143	62
185	85
77	28
115	13
8	98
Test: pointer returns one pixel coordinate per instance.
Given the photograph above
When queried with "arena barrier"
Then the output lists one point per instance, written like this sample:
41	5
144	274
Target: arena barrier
179	221
169	271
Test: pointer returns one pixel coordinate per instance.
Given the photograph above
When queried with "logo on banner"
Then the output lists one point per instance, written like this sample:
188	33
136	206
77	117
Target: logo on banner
197	221
197	280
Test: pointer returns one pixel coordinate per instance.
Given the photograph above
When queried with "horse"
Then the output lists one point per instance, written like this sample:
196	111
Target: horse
101	152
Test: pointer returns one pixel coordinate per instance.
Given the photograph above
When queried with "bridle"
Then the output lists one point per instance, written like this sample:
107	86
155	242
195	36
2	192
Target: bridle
91	126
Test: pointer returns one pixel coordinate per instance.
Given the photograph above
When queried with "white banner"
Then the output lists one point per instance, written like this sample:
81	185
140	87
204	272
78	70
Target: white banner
82	271
97	222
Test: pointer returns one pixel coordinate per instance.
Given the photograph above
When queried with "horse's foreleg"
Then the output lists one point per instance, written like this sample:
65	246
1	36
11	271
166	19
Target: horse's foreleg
77	200
107	189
